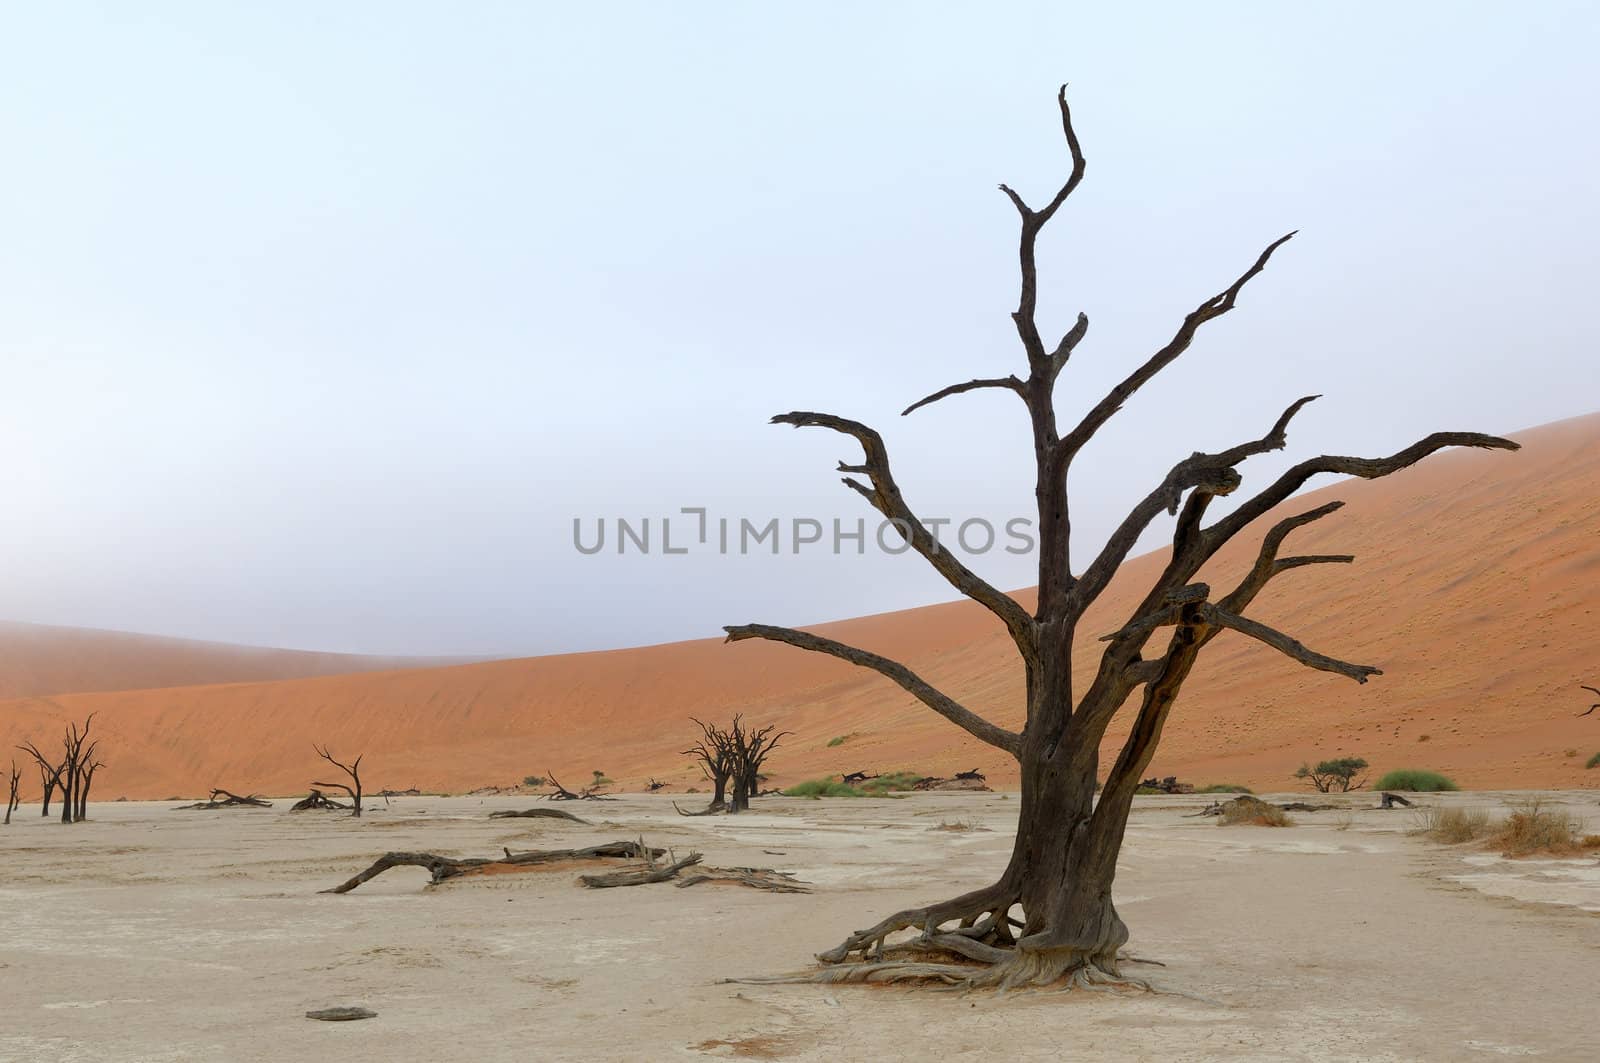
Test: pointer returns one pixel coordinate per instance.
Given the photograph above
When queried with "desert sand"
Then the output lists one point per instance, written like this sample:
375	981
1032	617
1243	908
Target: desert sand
148	934
1475	589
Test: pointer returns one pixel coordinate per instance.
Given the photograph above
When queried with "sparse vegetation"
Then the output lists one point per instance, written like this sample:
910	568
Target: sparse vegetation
1535	826
601	779
891	781
1452	826
823	788
534	781
1224	788
1249	811
838	740
1415	781
1594	761
1337	775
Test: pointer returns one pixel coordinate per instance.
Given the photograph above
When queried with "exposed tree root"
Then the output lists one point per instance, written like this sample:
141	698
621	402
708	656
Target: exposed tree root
537	813
710	810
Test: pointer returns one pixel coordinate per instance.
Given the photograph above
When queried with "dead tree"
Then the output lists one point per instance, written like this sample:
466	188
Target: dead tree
49	775
11	798
1591	708
353	770
1065	855
87	766
714	751
750	751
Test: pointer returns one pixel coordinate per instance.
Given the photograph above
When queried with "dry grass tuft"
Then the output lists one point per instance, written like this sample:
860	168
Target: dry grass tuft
1452	826
1250	811
1535	827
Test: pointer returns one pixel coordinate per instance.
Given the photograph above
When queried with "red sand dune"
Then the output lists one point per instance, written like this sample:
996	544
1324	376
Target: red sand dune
1475	589
38	660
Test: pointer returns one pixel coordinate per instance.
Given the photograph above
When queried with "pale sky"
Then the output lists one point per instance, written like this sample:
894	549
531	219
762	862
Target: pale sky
321	323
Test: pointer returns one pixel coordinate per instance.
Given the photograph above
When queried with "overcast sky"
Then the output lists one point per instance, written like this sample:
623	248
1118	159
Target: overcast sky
321	323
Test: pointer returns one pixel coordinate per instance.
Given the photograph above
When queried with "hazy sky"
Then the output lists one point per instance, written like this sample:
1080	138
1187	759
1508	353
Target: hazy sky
321	323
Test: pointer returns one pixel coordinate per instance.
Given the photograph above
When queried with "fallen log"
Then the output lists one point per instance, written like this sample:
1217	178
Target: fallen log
442	868
317	799
758	878
537	813
589	793
639	876
1393	800
229	800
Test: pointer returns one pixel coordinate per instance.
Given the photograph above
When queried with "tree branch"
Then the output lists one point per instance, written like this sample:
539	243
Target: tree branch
1207	475
1032	222
1010	383
1220	617
1213	307
884	495
914	684
1365	468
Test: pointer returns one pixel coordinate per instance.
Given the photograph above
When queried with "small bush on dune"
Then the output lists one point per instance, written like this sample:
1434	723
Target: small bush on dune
1453	825
839	740
534	780
1594	761
1251	812
1415	781
1224	788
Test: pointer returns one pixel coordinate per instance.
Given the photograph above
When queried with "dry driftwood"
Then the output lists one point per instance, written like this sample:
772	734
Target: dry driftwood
448	867
1392	800
758	878
341	1014
588	793
317	799
639	876
228	800
537	813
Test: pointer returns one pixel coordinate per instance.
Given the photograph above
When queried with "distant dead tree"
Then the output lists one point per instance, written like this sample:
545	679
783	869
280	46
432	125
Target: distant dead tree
49	776
714	752
750	750
1596	705
11	798
1065	855
72	776
353	770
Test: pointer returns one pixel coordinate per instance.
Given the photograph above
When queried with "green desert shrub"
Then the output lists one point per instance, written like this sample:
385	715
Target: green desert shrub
838	740
1338	774
1224	788
1415	780
891	781
534	780
1594	761
822	788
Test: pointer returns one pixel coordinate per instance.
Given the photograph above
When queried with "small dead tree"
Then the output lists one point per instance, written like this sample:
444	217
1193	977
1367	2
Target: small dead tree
714	751
1596	705
353	770
1064	858
49	776
11	798
87	766
750	750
